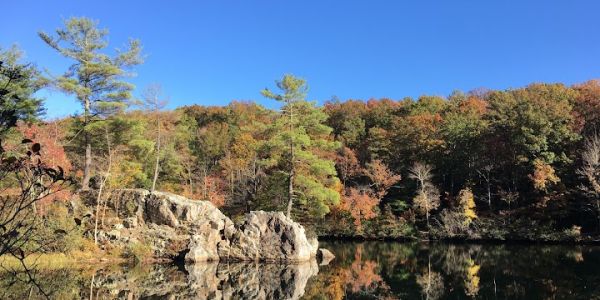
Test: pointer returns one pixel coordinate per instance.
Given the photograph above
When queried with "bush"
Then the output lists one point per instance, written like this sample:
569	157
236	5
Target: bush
56	231
453	223
138	251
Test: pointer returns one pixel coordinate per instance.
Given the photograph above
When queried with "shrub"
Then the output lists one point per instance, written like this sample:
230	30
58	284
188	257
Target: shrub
56	231
453	223
138	251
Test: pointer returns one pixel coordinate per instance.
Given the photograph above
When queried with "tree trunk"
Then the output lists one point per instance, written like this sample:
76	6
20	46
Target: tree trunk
489	190
290	194
85	184
598	212
231	178
205	189
157	164
292	166
426	197
190	181
428	277
99	198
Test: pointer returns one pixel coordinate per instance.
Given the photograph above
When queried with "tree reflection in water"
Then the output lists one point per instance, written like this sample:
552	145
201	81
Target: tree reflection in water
457	271
368	270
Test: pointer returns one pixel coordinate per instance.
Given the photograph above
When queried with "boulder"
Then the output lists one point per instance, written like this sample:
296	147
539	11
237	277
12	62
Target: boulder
324	256
174	226
270	236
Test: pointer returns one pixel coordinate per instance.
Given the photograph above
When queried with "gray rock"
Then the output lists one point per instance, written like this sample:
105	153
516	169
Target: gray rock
250	280
324	256
174	226
114	234
270	236
130	222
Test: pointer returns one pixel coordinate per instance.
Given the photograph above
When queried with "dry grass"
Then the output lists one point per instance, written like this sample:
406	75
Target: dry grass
56	261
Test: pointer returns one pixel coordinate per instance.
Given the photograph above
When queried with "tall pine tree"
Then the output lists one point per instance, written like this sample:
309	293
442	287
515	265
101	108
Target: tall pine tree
95	78
298	146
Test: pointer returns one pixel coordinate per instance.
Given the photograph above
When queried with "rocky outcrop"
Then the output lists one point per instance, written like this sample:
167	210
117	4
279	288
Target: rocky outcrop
177	227
271	236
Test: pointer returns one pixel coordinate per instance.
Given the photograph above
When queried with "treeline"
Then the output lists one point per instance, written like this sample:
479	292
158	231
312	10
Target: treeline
519	163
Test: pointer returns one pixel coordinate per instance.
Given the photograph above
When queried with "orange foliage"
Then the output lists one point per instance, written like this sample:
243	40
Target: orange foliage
215	190
363	274
473	105
360	204
381	176
543	175
587	104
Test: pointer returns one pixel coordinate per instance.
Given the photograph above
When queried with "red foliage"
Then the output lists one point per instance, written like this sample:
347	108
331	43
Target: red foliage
50	136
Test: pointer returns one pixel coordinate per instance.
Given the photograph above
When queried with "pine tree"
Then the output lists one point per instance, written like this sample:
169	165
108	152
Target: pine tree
95	78
299	141
18	83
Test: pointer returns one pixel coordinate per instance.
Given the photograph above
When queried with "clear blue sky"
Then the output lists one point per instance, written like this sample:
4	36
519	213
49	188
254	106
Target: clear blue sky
212	52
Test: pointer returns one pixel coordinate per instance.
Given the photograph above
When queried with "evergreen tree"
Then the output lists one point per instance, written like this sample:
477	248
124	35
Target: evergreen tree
18	83
95	78
299	141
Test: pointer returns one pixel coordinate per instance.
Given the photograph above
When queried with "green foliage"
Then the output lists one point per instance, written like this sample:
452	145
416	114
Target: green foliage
18	83
537	121
57	232
138	251
298	141
95	78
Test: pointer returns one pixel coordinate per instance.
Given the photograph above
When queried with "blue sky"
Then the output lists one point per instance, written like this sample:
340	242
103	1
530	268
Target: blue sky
212	52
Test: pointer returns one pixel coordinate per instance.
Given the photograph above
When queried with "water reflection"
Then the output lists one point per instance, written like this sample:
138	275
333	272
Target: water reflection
370	270
381	270
200	281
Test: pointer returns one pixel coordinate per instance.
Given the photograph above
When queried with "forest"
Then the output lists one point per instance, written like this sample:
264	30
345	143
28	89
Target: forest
515	164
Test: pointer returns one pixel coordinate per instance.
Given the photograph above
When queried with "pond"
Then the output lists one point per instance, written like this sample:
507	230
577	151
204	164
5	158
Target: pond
365	270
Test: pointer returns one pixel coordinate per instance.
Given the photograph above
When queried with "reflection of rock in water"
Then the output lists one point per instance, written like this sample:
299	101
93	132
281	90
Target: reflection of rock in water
209	281
250	281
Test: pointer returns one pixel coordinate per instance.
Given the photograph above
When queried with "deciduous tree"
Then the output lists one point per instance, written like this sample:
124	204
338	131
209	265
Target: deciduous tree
428	197
590	170
154	102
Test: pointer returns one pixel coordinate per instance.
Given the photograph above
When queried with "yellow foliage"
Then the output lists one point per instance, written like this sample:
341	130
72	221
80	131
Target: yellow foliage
472	279
543	175
467	204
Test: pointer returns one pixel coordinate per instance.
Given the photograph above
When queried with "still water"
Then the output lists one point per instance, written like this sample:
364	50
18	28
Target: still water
367	270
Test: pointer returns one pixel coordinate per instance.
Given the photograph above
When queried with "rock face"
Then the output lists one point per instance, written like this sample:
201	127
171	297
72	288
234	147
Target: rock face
270	236
176	227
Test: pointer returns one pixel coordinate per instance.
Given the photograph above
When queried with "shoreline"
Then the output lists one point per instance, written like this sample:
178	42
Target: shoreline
94	260
458	240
